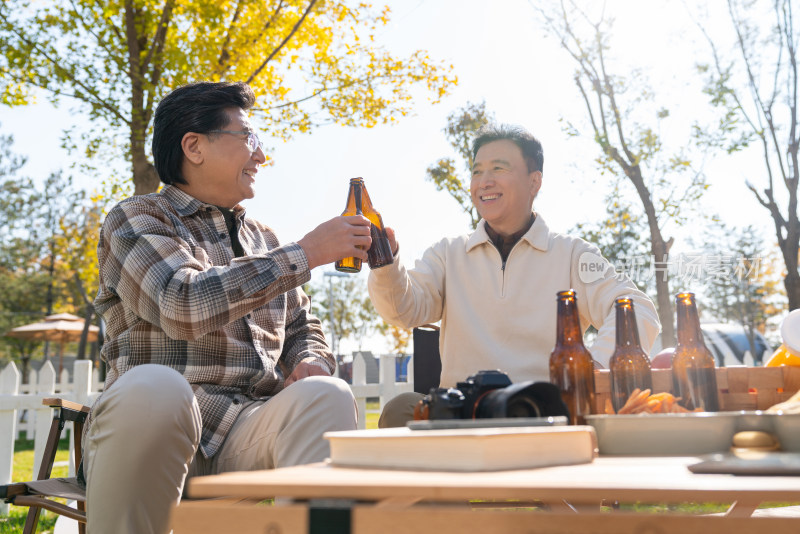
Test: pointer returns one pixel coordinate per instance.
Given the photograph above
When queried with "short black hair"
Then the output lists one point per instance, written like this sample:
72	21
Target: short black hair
530	146
197	107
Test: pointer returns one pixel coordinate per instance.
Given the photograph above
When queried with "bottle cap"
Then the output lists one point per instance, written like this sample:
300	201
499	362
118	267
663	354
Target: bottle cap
790	331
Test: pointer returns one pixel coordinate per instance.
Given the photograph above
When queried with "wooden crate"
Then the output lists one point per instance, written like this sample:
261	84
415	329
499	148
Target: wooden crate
740	388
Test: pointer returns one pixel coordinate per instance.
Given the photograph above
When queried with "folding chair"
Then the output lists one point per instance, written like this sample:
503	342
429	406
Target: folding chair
37	494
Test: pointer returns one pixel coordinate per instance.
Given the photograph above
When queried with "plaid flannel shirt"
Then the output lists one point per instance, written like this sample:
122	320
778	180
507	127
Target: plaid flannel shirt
172	293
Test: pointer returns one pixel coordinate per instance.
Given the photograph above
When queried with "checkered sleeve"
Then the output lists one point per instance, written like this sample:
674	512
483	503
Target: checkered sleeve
305	341
167	278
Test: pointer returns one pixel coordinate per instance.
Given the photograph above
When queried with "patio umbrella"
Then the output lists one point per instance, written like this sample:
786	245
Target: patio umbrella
60	328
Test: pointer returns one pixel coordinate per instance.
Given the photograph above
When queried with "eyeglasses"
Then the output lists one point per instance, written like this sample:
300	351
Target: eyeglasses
253	142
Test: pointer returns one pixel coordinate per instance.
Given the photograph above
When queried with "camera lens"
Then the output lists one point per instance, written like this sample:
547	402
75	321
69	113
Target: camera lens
522	406
527	399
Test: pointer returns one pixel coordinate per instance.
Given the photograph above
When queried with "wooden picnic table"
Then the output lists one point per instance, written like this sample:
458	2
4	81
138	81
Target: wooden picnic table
322	498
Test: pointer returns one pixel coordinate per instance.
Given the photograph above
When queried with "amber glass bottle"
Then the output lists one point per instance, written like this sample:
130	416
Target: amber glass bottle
379	253
629	365
571	367
353	207
694	374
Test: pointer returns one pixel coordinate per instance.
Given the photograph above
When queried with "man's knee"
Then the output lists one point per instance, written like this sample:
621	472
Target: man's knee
327	400
151	381
326	389
399	410
149	397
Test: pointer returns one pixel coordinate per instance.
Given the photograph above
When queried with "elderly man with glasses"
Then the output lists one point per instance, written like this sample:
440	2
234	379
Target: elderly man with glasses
215	362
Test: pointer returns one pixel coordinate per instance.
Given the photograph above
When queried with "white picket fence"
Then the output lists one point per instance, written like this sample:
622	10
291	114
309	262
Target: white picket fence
16	399
385	389
41	382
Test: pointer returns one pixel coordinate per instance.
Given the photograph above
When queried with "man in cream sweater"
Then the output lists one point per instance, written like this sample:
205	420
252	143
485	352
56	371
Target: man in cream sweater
494	290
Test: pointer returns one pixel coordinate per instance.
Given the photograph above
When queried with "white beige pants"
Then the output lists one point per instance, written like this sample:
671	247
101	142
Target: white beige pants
146	429
399	410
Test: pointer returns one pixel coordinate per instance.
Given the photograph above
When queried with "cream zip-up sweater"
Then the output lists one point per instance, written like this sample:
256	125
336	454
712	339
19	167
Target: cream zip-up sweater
497	316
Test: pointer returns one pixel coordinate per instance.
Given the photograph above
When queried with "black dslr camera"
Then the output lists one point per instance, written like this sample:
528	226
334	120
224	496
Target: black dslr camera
490	394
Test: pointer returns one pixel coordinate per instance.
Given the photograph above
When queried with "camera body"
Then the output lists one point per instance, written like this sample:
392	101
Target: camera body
490	394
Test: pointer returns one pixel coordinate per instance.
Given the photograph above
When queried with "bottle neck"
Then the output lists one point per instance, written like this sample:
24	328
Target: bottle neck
688	324
366	203
568	328
358	196
627	330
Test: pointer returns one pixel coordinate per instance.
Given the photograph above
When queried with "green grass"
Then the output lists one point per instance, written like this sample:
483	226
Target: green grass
373	414
23	459
23	470
15	521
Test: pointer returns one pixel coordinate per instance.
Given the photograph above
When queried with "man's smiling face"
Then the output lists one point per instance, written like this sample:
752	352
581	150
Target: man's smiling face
229	166
502	189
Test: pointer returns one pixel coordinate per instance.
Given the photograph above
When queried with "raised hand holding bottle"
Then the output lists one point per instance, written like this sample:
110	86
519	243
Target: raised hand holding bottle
379	253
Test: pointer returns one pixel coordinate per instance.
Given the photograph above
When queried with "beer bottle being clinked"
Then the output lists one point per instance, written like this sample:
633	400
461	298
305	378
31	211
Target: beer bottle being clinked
379	253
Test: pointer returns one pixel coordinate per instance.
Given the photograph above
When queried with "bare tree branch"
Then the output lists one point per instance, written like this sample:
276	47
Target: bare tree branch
754	87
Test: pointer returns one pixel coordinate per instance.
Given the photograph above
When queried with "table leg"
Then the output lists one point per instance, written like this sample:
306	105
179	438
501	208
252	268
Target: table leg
742	509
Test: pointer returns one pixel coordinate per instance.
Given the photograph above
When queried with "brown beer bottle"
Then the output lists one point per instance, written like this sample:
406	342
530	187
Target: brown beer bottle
694	374
353	207
379	253
629	365
571	367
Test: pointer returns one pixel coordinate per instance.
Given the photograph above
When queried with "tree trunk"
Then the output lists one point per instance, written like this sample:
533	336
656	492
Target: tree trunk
792	285
25	360
751	340
88	315
145	178
660	251
85	333
791	245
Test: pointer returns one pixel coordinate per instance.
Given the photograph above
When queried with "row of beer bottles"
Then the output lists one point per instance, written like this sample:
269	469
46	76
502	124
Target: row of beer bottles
379	253
572	369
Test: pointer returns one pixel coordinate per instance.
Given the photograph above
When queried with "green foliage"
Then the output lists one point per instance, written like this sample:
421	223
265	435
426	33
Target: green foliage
47	234
461	127
309	62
